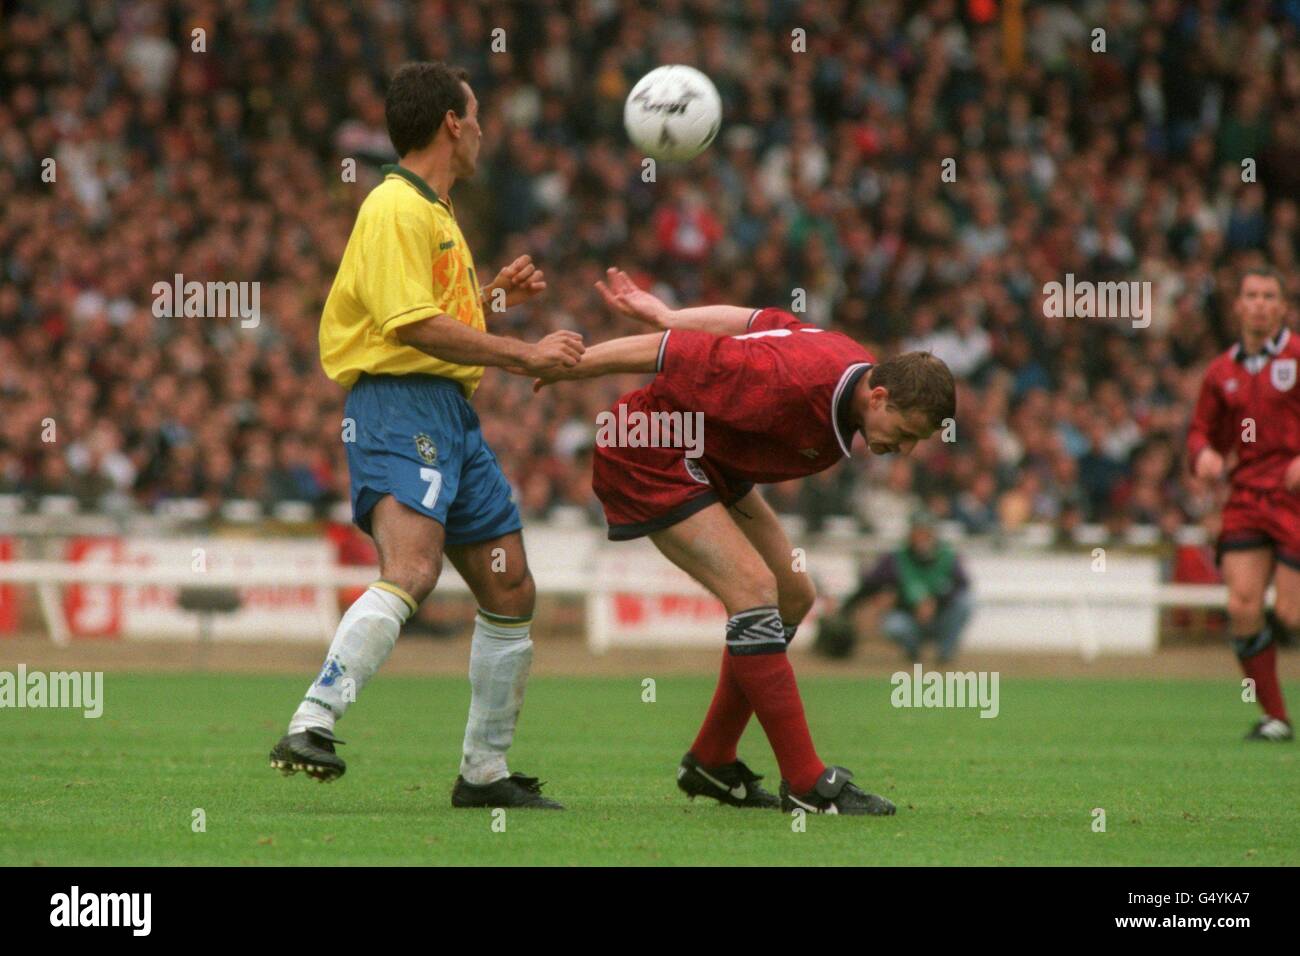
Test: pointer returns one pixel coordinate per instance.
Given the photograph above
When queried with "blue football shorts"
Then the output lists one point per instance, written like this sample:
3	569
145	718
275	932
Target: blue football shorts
418	439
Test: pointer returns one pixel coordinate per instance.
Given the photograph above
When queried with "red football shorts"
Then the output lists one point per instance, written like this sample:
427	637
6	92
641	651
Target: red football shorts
1258	518
645	489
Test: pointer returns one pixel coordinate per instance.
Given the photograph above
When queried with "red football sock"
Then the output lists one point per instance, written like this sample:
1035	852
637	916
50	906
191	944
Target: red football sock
1261	667
756	643
725	722
728	715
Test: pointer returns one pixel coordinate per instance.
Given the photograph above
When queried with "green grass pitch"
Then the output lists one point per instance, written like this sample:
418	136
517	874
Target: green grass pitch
1163	759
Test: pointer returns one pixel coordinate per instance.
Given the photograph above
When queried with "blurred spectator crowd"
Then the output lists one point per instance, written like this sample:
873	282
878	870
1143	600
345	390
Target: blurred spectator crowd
228	164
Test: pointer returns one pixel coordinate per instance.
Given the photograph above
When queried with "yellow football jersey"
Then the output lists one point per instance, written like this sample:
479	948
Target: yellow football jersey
405	261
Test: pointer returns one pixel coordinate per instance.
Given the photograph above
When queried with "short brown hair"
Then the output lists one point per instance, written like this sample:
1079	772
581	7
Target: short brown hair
1267	272
918	381
418	99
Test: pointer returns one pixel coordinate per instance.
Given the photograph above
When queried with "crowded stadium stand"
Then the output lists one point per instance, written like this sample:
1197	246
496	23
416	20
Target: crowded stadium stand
1173	159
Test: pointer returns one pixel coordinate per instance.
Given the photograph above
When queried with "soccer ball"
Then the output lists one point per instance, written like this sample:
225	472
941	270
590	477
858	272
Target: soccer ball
673	113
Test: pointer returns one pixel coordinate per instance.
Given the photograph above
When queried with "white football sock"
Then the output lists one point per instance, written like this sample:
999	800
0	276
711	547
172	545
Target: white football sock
363	641
499	657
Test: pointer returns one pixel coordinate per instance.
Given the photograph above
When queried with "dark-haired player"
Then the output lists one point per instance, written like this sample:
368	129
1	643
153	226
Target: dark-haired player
403	329
1249	407
780	399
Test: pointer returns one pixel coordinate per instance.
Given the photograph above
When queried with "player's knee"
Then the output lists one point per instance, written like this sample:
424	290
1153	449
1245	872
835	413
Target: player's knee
508	590
517	595
1245	605
797	596
416	574
758	589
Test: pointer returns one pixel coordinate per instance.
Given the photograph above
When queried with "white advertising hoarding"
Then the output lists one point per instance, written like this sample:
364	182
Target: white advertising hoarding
306	611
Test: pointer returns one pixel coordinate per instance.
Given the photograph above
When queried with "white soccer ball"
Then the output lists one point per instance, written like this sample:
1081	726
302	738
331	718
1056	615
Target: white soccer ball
673	113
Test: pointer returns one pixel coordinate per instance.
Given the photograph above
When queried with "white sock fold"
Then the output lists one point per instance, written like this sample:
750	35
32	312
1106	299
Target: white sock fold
363	641
499	658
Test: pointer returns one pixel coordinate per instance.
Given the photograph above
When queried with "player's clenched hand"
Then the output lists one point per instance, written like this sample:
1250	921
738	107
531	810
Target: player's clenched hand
560	349
521	281
1291	480
1209	465
623	296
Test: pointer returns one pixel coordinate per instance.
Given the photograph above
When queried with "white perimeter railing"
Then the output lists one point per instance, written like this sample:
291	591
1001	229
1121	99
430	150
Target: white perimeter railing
1079	602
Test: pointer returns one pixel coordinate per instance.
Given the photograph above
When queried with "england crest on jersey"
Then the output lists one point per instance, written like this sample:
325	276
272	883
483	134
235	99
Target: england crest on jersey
1282	374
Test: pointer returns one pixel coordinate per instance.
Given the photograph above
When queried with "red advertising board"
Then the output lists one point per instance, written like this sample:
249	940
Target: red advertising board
93	610
10	609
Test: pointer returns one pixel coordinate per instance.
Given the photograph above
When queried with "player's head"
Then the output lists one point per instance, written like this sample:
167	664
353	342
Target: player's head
903	401
432	104
921	537
1261	302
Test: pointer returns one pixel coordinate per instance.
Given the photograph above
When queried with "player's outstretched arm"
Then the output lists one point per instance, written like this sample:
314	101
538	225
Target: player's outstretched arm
633	353
624	297
443	337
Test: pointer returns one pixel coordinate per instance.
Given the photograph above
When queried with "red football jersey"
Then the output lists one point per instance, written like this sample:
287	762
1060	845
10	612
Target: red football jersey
775	399
1242	389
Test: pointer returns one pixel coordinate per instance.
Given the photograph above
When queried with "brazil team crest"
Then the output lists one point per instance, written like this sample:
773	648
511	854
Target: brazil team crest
427	449
1282	374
